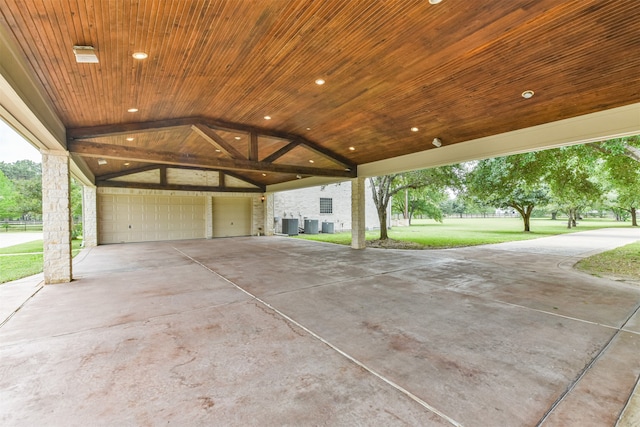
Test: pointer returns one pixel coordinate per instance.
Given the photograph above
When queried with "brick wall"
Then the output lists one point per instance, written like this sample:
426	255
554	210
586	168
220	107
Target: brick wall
305	203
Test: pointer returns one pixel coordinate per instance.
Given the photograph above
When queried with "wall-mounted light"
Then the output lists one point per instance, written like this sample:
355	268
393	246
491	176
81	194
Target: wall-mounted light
262	199
437	142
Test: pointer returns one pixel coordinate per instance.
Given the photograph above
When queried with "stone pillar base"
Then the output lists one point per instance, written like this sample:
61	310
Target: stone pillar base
56	217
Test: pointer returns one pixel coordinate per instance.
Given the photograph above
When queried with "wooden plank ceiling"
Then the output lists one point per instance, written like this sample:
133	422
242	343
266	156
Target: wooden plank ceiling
454	70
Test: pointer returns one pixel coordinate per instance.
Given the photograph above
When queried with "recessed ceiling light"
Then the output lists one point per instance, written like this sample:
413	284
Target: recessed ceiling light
320	82
132	110
102	162
527	94
434	1
437	142
308	128
140	55
130	138
414	129
311	161
267	117
264	174
237	138
127	163
217	150
352	148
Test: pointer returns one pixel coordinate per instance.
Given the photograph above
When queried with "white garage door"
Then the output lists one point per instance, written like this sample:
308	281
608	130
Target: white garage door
144	218
231	216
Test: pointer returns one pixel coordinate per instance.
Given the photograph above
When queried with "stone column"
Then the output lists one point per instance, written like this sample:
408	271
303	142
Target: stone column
56	217
89	217
268	226
208	217
358	218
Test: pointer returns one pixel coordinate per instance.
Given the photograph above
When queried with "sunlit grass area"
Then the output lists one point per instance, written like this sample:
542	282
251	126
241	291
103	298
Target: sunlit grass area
25	259
456	232
623	262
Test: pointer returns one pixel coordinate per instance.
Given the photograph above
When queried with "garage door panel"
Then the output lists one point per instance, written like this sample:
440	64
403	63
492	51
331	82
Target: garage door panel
231	216
139	218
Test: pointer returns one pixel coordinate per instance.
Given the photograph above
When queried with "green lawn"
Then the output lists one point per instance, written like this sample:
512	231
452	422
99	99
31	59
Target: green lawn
457	232
29	261
623	262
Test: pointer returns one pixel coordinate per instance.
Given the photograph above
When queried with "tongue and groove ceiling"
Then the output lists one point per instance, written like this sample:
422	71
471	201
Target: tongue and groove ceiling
215	69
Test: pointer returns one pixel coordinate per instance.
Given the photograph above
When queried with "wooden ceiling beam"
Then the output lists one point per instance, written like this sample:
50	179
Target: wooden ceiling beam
206	128
328	154
126	172
217	141
177	187
92	149
281	152
146	168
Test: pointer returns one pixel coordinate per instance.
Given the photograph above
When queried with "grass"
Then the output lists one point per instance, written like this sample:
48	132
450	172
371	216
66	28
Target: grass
458	232
623	262
28	262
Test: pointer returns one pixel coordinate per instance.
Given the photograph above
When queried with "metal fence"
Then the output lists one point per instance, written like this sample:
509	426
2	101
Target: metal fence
8	226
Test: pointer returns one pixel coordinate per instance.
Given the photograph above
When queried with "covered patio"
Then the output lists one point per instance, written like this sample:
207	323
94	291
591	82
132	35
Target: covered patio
280	331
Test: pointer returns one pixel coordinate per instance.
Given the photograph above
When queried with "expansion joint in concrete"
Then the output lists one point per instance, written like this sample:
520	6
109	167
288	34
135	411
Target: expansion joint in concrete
386	380
587	368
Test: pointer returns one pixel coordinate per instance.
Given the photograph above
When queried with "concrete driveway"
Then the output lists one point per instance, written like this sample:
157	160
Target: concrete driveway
280	331
13	238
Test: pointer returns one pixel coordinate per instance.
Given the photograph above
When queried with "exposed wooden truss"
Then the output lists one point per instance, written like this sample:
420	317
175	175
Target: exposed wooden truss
87	142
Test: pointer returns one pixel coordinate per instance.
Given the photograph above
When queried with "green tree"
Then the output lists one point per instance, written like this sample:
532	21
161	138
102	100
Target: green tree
21	170
8	206
571	175
385	187
29	198
623	175
421	201
510	182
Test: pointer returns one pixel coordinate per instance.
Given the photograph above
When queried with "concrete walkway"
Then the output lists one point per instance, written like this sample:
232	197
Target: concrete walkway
280	331
11	239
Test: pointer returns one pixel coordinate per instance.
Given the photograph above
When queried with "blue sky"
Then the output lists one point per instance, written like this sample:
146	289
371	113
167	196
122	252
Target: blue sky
13	147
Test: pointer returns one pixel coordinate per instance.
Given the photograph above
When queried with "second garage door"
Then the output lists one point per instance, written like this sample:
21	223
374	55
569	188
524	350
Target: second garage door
231	216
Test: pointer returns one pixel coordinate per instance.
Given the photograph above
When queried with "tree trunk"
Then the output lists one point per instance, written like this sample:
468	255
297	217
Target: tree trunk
527	222
382	216
569	222
554	215
634	217
574	217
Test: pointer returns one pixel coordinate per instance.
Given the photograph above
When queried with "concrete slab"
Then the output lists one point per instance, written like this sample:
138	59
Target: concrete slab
599	397
280	331
16	293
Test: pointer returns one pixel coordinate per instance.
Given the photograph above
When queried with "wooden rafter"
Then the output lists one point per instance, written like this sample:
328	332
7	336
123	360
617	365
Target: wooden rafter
126	172
236	175
281	152
92	149
217	141
205	127
178	187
